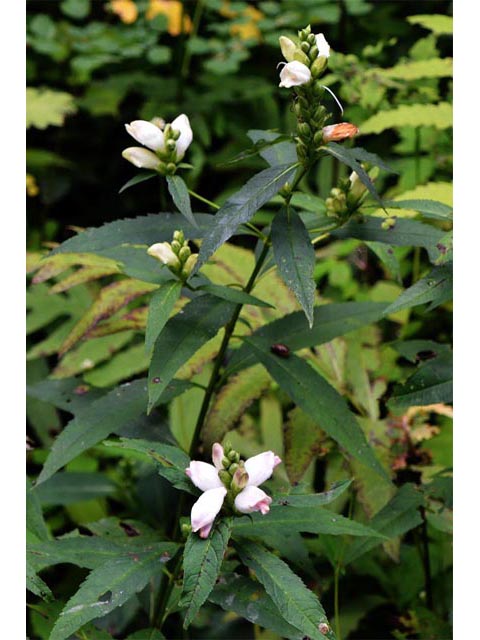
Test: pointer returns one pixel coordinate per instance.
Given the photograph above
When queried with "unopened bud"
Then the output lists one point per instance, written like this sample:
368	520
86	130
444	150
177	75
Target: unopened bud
184	253
179	236
186	528
301	57
318	138
288	48
233	468
240	479
341	131
158	122
170	145
225	477
189	265
171	168
305	130
318	89
176	246
304	46
313	53
318	66
175	134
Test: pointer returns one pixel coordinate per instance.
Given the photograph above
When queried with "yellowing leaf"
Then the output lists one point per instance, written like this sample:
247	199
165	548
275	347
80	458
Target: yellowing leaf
47	107
416	69
126	10
173	10
438	24
52	266
438	115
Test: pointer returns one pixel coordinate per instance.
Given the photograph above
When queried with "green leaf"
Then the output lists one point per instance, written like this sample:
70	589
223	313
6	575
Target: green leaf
181	337
248	600
430	384
404	233
438	115
34	516
385	254
140	177
71	487
146	634
47	107
108	587
77	9
101	418
324	405
36	585
240	207
312	499
428	208
159	310
179	192
329	321
304	519
302	438
435	287
295	257
202	560
122	366
297	604
348	157
416	69
273	147
234	295
438	24
397	517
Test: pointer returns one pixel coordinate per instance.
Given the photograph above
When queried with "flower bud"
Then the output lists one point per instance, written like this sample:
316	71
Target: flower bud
170	145
305	130
176	246
288	48
162	251
179	236
233	468
171	168
318	66
341	131
294	74
302	57
225	477
305	47
388	223
318	138
184	254
313	53
225	462
189	265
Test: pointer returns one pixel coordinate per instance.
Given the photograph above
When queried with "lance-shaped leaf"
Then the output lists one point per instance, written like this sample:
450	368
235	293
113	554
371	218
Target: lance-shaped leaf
101	418
70	487
329	321
297	604
248	599
240	207
179	192
295	257
108	587
202	560
428	208
312	499
312	393
181	337
234	295
140	177
36	585
397	517
435	287
159	310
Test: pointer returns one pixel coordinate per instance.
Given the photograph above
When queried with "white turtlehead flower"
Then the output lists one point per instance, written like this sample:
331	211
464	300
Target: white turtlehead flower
294	74
147	134
322	46
141	158
163	251
182	124
251	498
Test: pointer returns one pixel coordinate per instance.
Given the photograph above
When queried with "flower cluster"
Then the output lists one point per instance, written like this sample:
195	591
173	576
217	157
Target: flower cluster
176	255
167	143
347	197
230	483
306	62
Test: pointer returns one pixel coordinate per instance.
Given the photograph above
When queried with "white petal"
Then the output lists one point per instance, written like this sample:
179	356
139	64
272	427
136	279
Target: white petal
217	455
206	508
322	45
294	74
163	251
146	133
182	124
253	499
141	158
203	475
260	468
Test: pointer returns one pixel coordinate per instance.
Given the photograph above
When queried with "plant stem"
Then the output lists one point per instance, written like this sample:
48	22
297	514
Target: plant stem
335	602
202	199
426	560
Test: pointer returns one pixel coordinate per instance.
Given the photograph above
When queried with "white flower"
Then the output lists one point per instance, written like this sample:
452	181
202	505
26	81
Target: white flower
294	74
322	46
205	476
141	158
182	124
163	251
147	134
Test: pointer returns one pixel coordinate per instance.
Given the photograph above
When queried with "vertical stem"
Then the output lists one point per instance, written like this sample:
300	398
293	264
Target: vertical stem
426	560
336	602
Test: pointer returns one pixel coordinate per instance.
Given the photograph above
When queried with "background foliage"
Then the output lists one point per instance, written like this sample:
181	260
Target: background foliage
91	67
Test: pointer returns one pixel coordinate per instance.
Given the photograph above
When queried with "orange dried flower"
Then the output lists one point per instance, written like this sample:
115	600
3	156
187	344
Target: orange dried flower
341	131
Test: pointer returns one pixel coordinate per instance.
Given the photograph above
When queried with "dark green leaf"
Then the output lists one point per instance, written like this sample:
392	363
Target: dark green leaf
273	147
71	487
181	337
202	560
428	208
179	192
234	295
396	518
68	394
35	520
312	393
297	604
36	585
329	321
146	634
404	233
431	383
312	499
305	519
435	287
101	418
412	349
141	177
371	158
240	207
385	254
160	307
108	587
247	599
295	257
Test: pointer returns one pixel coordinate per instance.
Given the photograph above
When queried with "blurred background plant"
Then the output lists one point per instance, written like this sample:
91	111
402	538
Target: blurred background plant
93	66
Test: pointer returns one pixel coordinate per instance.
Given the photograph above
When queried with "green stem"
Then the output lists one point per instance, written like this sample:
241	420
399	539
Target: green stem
335	602
202	199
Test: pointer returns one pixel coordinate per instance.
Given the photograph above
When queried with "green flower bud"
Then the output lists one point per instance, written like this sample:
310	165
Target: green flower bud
171	168
227	447
184	253
288	48
305	130
304	46
318	138
225	477
318	89
389	223
313	53
318	66
301	57
175	134
176	246
233	468
170	145
311	38
179	236
225	462
239	480
189	265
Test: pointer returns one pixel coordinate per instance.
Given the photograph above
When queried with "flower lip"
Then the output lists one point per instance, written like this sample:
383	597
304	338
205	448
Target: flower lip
322	46
253	499
141	158
203	475
260	467
205	510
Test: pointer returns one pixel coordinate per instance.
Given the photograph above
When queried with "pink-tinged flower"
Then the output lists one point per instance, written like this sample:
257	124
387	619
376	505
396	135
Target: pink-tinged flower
341	131
294	74
206	477
253	499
